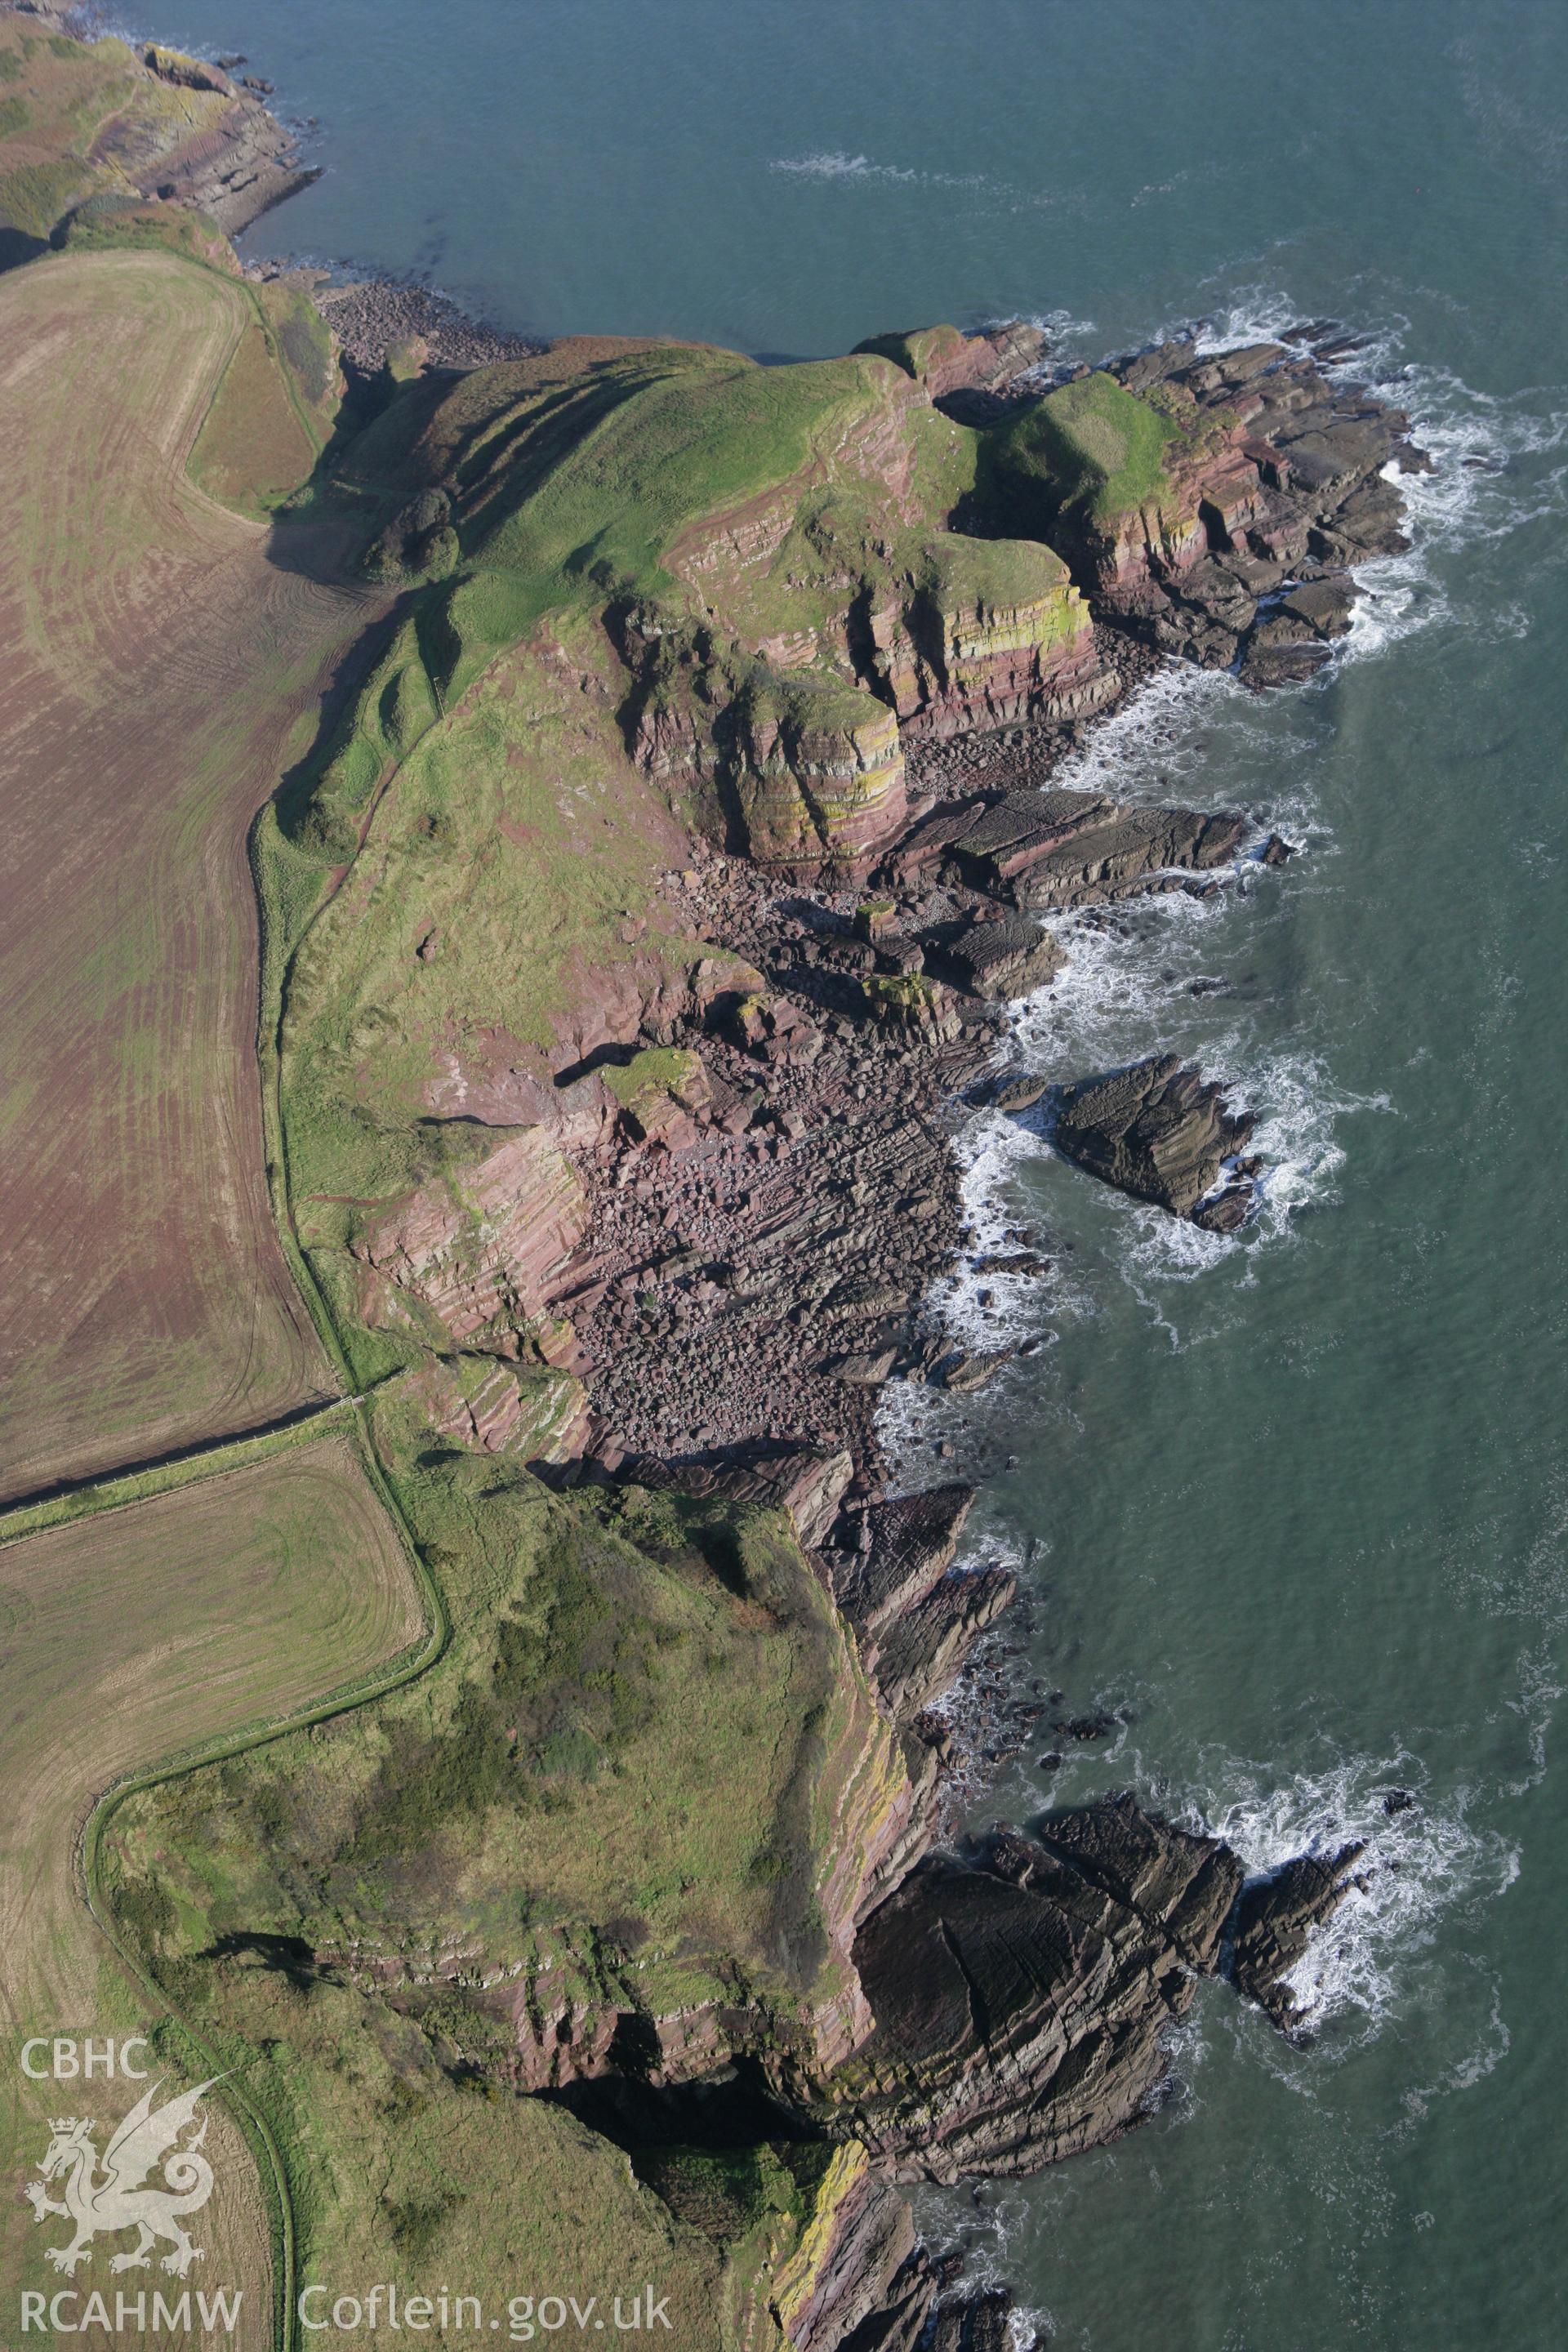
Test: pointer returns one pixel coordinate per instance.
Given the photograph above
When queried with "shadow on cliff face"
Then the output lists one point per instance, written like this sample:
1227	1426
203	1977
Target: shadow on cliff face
732	2107
16	246
288	1956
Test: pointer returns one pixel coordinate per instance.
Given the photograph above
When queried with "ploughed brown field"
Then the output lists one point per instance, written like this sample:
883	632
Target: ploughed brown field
160	661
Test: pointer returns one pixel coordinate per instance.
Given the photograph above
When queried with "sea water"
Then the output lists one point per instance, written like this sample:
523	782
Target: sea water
1293	1503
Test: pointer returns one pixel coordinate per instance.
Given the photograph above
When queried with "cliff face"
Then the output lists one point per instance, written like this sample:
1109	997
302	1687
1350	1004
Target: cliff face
780	640
807	764
855	2240
994	633
595	1199
805	570
472	1259
819	774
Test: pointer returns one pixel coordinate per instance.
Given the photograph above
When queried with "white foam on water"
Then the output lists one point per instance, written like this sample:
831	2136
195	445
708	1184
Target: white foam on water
991	193
1497	464
1531	1586
1539	1691
1419	1865
1061	327
990	1150
1142	750
1491	2046
836	165
1129	986
1128	990
988	2219
910	1419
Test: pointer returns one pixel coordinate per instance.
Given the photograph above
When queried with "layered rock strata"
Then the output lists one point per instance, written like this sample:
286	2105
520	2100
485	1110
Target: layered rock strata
728	1246
1050	850
995	632
231	159
1231	543
1274	1921
480	1254
1022	1996
1157	1132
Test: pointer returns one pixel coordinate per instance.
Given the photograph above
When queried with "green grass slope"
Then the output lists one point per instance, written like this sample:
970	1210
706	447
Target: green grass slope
621	1795
72	113
178	1621
629	1804
503	849
1090	450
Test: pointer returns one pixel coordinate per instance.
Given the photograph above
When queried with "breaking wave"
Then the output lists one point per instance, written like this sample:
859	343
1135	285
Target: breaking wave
1172	974
837	166
834	164
1498	464
1422	1861
1162	974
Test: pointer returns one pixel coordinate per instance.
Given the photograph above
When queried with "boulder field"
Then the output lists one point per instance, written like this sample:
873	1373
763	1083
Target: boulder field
690	1244
644	917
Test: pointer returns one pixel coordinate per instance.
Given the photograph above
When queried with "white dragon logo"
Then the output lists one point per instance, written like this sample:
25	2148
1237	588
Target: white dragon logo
117	2199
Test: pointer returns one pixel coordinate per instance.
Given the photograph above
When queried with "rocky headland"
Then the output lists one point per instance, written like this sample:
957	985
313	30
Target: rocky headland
691	1248
639	929
110	125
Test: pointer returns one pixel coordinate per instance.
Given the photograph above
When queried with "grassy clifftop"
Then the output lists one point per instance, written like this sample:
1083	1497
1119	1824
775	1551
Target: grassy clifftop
595	1768
612	1816
1090	449
742	533
56	94
1115	479
612	597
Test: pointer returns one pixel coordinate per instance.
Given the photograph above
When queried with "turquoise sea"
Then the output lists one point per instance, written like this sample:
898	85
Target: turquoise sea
1294	1506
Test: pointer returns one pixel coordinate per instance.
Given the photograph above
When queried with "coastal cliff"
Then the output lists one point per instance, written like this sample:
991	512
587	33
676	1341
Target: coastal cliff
635	927
641	1004
101	130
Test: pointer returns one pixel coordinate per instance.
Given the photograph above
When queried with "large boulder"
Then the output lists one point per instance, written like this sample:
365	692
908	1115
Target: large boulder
1055	849
1159	1132
1006	957
922	1653
906	1543
1021	1994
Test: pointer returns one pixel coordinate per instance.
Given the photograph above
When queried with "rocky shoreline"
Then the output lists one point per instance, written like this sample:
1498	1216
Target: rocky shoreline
761	1221
694	1249
220	151
731	1205
375	318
